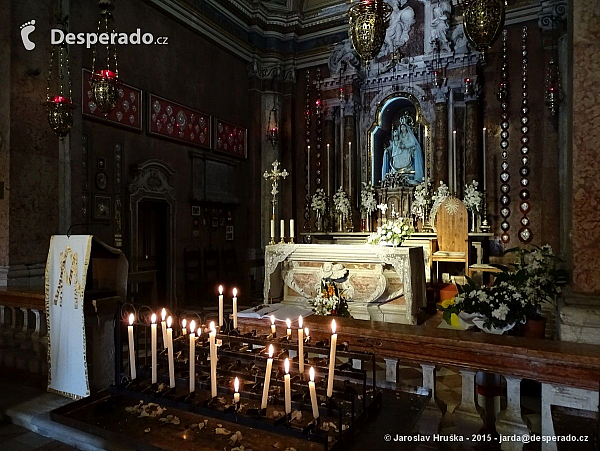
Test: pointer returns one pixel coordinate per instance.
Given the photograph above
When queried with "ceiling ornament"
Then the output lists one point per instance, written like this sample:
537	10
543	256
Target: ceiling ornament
483	20
369	21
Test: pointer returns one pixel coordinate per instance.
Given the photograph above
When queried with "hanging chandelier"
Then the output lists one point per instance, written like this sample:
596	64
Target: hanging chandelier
483	20
554	94
105	79
272	127
59	100
369	20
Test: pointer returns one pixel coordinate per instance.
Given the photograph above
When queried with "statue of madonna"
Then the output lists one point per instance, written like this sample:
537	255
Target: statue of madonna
404	155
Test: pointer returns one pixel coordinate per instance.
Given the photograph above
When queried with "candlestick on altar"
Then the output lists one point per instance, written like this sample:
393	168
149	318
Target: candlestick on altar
272	231
193	356
153	347
349	169
292	233
300	346
288	323
313	394
273	328
328	173
454	178
235	324
220	305
212	335
163	323
282	231
484	170
170	351
308	169
288	388
236	395
131	347
331	360
183	326
265	396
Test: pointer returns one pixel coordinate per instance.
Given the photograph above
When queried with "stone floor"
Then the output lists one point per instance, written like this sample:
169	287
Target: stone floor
17	438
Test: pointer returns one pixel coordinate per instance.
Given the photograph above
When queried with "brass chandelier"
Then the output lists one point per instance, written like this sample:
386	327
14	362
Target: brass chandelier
369	20
483	20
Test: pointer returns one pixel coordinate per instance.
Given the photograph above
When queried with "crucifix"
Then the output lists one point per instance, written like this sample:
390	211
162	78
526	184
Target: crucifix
274	177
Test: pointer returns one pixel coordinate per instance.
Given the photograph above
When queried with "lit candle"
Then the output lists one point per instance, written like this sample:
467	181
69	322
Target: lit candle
163	315
213	359
288	388
309	168
220	305
484	170
282	228
193	356
265	396
292	234
170	351
235	308
153	347
183	326
331	360
328	173
236	387
300	346
131	347
288	323
313	393
349	168
272	228
306	335
455	188
273	328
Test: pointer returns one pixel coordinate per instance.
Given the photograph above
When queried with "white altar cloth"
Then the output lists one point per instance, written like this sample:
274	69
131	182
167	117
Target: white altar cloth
407	262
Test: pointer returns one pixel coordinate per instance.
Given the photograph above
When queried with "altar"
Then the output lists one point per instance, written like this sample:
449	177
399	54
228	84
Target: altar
384	283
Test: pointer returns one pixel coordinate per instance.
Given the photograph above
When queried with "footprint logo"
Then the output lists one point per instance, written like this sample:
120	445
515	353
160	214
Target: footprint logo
26	29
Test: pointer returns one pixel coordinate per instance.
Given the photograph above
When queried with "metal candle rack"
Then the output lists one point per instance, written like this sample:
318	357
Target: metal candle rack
355	399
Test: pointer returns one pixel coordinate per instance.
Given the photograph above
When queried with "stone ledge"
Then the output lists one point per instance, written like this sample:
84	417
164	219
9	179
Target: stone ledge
580	312
578	334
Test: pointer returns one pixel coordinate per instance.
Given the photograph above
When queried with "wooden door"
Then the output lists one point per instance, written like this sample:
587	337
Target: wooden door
153	236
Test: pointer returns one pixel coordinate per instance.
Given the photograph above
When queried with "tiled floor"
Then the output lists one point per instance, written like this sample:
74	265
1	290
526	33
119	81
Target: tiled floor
16	438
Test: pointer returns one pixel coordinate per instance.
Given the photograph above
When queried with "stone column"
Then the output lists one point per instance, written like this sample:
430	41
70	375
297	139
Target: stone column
467	415
350	153
440	137
510	421
473	157
431	420
7	38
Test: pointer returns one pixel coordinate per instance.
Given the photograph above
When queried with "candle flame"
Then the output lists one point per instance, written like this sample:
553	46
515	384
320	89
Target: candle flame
270	351
484	128
454	132
286	366
300	322
306	332
272	319
236	385
220	289
235	292
153	318
211	326
288	323
192	326
131	318
169	321
163	314
184	323
333	326
312	374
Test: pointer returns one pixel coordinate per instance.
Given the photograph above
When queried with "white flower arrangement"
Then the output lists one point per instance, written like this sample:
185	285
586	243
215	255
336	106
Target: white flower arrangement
368	204
439	197
423	199
473	198
319	201
341	202
392	233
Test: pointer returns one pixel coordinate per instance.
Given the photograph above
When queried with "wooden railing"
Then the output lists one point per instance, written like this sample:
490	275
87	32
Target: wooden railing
569	373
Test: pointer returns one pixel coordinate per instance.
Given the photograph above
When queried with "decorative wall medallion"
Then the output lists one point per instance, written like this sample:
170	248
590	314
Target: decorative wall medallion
101	181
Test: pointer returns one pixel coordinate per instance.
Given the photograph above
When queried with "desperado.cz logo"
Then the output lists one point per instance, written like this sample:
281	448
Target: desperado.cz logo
89	39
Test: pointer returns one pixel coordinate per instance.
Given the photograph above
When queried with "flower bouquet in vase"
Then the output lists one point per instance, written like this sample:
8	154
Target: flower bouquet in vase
319	206
473	200
330	300
392	233
342	207
368	204
422	203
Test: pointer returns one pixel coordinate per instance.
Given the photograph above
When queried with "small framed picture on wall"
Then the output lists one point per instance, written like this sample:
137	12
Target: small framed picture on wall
229	233
102	210
195	210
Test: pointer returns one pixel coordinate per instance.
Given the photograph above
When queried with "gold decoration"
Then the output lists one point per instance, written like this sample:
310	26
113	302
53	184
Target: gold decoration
60	115
69	277
483	20
369	20
104	88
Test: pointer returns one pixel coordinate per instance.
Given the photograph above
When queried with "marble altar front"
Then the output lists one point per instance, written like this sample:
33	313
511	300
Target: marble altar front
384	283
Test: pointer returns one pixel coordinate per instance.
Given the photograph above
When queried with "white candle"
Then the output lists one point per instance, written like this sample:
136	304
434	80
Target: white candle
265	396
163	315
183	326
170	350
131	347
309	167
213	359
272	228
235	308
236	387
292	234
328	173
313	394
349	168
193	356
484	170
300	346
331	360
153	347
220	305
282	228
288	387
288	323
455	166
273	328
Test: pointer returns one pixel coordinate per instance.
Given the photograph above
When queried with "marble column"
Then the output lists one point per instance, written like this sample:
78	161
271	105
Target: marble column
440	137
350	153
431	419
467	415
473	156
510	421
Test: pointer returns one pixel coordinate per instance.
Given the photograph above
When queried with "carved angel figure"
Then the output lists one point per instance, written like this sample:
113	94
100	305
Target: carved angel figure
461	44
342	52
401	21
439	24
